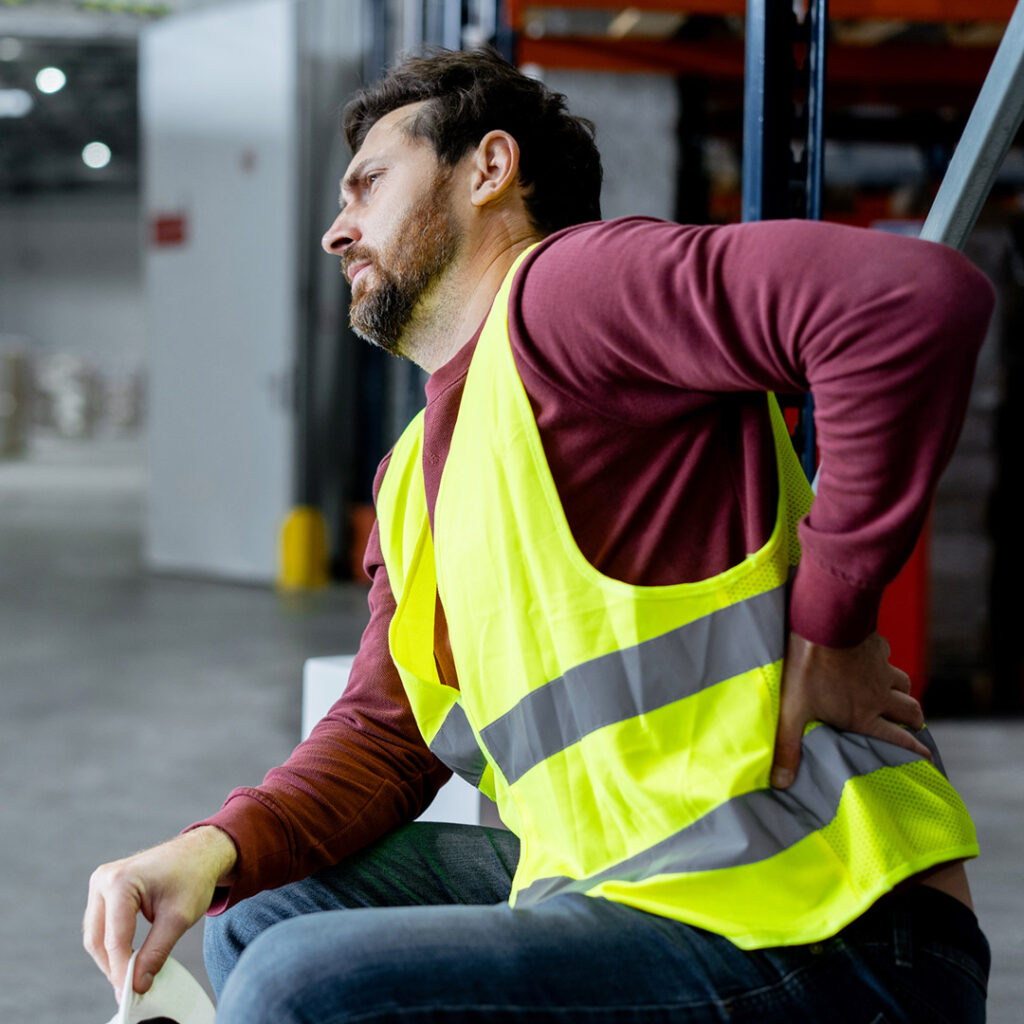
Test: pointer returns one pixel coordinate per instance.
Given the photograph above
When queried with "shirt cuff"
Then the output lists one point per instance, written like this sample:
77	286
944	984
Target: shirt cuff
262	843
830	611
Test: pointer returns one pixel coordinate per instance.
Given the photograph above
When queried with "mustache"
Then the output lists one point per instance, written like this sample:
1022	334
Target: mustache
356	254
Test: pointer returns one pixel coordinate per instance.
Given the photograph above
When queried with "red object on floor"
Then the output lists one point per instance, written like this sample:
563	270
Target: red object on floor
903	617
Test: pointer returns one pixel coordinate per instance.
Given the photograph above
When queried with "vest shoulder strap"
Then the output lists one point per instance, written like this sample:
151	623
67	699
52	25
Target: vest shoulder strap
402	502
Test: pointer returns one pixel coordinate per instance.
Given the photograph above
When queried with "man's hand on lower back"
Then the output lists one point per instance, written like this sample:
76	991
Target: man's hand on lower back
171	885
851	688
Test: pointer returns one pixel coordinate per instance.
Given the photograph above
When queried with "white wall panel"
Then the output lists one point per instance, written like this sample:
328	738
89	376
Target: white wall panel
218	103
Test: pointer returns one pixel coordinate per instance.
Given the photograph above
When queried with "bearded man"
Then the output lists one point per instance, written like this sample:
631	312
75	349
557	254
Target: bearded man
601	593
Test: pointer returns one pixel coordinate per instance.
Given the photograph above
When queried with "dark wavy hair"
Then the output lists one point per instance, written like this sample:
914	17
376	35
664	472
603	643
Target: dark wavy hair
471	92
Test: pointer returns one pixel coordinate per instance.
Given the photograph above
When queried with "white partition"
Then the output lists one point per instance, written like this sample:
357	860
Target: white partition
218	91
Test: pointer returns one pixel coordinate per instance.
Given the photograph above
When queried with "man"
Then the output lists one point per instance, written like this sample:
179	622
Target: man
581	596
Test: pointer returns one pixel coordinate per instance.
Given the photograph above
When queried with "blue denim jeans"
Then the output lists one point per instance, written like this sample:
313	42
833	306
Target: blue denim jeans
415	929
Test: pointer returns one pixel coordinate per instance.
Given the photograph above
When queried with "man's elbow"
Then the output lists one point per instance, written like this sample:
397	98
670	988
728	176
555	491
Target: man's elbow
950	283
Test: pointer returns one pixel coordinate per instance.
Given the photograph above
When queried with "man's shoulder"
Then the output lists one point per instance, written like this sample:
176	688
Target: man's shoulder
607	232
601	255
634	221
583	320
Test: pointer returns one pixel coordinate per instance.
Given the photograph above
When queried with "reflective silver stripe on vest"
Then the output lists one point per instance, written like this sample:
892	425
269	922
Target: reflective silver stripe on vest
456	745
925	736
756	825
618	686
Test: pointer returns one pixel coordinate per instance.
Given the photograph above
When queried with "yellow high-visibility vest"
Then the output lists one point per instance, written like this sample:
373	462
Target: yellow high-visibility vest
626	732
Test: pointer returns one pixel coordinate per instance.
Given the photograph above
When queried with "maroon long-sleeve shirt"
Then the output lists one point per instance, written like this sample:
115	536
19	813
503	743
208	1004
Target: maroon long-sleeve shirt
646	348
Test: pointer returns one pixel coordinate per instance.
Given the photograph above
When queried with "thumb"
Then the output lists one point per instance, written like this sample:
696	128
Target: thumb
788	738
154	952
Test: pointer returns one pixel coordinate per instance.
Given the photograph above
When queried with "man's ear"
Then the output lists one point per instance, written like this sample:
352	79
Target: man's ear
495	167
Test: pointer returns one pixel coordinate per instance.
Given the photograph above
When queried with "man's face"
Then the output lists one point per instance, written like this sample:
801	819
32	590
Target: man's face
400	269
397	232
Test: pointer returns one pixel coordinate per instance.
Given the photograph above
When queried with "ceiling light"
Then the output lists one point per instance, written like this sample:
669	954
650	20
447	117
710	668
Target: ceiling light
14	103
96	155
50	80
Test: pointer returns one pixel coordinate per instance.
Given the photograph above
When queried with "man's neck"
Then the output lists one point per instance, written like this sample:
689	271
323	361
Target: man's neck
449	314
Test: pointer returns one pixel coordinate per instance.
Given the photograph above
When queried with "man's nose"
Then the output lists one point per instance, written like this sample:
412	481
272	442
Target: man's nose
340	235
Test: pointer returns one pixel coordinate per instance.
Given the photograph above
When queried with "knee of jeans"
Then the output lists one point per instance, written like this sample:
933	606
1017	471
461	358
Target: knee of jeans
280	979
225	939
250	990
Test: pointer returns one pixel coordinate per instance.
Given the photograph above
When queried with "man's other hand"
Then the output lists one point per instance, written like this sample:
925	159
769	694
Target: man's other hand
851	688
171	885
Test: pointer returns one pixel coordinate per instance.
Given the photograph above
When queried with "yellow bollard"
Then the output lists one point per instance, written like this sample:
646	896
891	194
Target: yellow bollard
302	550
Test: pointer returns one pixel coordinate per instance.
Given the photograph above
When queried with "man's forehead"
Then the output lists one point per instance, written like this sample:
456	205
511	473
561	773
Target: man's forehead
392	126
385	139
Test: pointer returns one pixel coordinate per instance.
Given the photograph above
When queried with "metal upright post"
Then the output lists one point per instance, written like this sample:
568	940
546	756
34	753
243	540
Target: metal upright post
504	34
814	155
771	178
767	109
816	53
990	130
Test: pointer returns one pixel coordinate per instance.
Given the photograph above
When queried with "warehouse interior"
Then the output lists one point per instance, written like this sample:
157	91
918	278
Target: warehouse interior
177	377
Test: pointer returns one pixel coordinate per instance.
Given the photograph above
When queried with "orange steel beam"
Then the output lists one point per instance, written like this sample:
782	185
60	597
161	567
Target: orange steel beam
889	63
709	59
839	10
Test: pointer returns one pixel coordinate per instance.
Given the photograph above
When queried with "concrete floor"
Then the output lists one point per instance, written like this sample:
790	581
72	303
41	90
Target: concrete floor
131	704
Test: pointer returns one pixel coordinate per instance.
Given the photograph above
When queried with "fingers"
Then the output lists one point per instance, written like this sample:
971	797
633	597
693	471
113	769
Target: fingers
108	927
167	929
893	733
93	927
900	680
119	931
852	689
903	709
170	885
794	713
786	760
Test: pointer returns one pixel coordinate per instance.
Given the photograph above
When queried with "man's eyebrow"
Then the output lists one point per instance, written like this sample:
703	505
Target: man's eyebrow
352	179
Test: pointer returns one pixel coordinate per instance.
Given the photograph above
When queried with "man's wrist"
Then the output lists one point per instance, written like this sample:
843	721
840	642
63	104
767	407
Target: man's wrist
217	849
829	611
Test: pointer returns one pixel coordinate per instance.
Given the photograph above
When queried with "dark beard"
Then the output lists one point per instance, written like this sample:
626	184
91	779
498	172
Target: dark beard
426	244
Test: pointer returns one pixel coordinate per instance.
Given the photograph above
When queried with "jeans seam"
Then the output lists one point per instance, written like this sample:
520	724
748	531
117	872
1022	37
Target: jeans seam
963	963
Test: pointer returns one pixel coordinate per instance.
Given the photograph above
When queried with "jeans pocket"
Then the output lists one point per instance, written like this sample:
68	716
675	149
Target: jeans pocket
946	959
